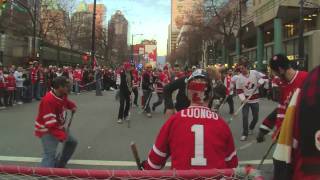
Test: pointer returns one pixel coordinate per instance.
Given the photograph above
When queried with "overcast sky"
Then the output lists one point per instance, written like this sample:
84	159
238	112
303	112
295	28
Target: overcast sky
148	17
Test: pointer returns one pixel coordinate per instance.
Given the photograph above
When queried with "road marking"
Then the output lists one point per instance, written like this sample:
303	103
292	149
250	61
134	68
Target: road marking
104	163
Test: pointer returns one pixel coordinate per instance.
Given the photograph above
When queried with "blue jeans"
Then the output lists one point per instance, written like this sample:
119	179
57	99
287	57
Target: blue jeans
77	86
245	116
36	90
50	156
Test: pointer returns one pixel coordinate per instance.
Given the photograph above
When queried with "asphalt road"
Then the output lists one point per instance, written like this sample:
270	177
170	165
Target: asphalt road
104	144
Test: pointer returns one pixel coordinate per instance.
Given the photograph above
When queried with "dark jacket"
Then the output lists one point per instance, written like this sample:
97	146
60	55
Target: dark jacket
182	100
124	89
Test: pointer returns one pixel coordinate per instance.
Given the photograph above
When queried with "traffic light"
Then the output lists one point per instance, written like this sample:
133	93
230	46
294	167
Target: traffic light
3	4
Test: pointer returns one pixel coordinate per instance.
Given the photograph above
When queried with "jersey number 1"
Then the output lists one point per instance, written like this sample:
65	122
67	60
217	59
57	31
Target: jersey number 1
198	159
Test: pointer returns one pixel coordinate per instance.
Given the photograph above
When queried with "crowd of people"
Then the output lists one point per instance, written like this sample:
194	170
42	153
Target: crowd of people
20	85
195	135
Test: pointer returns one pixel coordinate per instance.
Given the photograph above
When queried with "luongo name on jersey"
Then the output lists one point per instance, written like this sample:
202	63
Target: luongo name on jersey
195	138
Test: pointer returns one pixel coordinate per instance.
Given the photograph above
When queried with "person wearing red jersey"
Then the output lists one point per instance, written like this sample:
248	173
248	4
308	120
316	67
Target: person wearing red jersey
195	137
50	125
42	83
11	86
35	80
248	84
2	89
290	80
135	84
161	80
77	76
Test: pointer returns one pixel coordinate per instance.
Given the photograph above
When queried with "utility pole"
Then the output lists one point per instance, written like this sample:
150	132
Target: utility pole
301	38
240	27
93	39
34	55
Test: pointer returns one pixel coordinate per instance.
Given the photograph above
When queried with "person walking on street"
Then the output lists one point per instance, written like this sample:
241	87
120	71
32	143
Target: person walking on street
19	85
161	80
147	88
248	85
35	80
135	87
125	89
50	125
229	92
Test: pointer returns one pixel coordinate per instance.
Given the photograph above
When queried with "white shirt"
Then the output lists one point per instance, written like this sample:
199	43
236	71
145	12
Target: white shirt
249	85
19	79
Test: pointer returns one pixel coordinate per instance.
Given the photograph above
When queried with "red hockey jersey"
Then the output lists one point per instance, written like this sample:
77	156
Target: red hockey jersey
286	91
77	75
34	75
162	80
11	83
135	76
50	117
195	138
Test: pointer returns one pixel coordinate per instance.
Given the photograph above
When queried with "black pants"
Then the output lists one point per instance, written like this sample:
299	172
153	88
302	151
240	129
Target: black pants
124	106
231	104
159	102
245	116
136	95
147	94
9	98
2	96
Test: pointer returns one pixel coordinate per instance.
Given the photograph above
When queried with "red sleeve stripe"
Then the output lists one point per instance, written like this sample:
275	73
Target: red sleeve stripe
229	158
41	130
281	106
154	166
280	115
49	115
265	127
158	152
39	125
50	122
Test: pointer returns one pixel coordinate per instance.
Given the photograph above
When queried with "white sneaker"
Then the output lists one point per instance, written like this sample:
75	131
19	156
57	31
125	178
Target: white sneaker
2	107
127	118
78	93
149	115
19	103
250	132
243	138
112	89
119	121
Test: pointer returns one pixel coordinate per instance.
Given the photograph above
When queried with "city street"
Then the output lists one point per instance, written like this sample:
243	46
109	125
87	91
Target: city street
104	144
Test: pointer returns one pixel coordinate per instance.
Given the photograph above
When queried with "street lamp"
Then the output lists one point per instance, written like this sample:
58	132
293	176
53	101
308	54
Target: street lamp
132	50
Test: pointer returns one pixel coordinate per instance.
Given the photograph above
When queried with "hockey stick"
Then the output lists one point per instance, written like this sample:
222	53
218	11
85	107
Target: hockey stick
266	155
242	105
136	155
223	102
146	104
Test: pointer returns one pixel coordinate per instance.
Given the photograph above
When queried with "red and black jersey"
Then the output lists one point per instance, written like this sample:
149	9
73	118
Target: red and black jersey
34	75
77	75
162	80
286	91
50	117
135	76
11	83
195	138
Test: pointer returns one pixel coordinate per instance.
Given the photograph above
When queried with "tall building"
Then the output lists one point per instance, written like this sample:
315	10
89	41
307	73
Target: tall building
100	16
82	25
181	12
272	26
118	38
